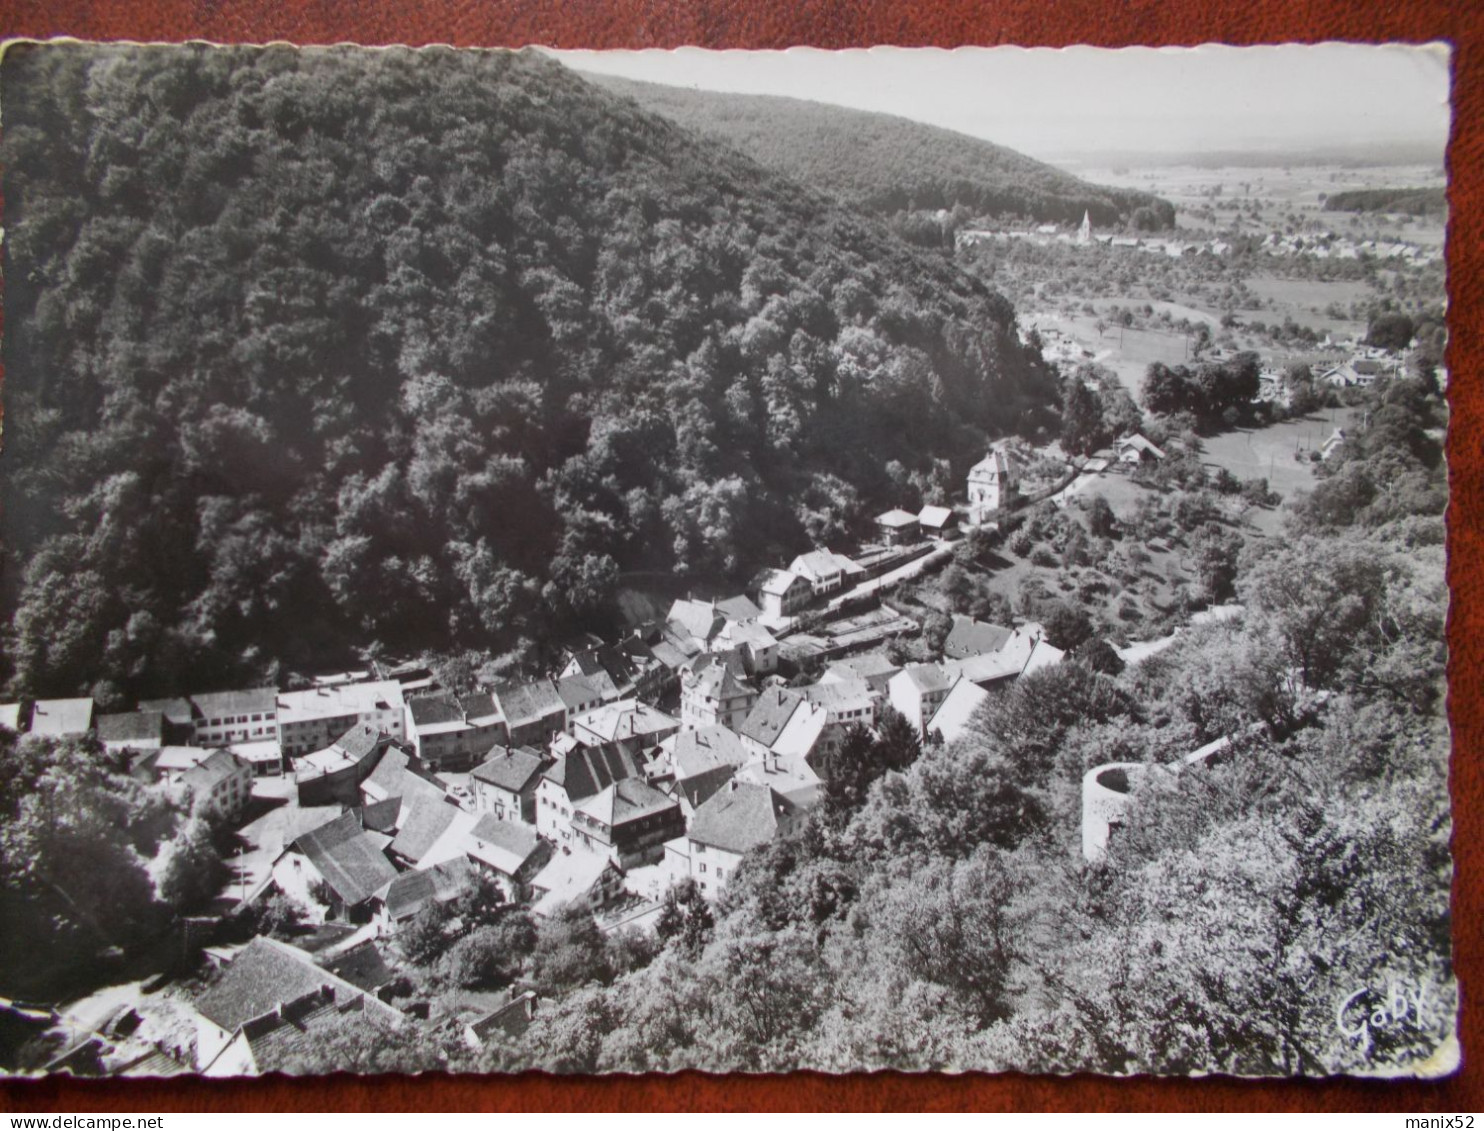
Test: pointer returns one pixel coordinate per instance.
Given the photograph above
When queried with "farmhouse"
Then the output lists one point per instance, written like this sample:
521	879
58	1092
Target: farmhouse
1137	449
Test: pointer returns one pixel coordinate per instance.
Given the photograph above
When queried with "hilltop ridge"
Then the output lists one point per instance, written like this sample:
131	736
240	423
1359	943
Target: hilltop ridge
883	163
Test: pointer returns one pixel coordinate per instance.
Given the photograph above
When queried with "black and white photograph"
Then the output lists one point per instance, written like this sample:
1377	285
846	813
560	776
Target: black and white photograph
748	561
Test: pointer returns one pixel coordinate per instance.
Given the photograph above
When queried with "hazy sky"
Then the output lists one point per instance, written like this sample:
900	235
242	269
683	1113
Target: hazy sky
1083	100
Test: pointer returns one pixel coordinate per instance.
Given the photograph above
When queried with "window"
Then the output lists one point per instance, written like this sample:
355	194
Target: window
720	872
702	868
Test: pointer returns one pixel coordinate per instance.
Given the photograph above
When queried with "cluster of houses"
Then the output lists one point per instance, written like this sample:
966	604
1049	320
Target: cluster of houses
637	764
1332	245
1313	245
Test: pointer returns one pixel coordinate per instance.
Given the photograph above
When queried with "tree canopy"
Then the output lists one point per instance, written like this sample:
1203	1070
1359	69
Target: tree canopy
306	349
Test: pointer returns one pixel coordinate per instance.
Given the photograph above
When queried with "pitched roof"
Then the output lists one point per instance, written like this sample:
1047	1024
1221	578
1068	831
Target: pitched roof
631	799
394	777
817	564
480	708
873	667
226	704
696	752
426	820
510	769
970	637
61	716
738	608
585	770
934	516
741	817
264	975
513	1018
699	619
802	731
363	966
777	582
952	715
896	517
568	876
131	726
178	711
303	819
926	677
717	680
1043	656
380	816
770	714
428	711
410	892
988	668
579	691
350	859
839	694
995	465
10	716
503	845
1140	443
529	702
351	749
212	770
625	719
788	774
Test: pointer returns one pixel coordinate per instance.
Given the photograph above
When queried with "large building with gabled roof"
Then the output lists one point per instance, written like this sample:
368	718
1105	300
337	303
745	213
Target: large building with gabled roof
629	821
733	822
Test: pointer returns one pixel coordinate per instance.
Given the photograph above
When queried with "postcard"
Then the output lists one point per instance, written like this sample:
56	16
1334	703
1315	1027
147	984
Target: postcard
743	561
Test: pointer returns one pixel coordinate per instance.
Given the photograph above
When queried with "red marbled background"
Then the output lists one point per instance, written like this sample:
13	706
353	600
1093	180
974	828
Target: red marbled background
946	23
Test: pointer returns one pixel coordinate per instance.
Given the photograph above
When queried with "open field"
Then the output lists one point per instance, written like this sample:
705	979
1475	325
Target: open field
1306	300
1267	453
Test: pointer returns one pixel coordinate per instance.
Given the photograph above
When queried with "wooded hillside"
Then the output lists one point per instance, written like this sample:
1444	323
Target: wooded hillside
888	164
309	349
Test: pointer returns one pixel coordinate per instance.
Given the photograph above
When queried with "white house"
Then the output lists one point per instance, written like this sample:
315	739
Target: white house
991	484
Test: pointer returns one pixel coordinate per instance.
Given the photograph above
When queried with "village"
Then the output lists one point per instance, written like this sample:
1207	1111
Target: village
638	766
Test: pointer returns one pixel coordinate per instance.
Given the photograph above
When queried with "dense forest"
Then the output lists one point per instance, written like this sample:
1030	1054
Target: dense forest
887	164
1412	201
306	350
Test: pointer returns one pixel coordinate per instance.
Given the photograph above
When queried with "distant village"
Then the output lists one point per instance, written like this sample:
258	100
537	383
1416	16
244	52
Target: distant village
636	765
1315	245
